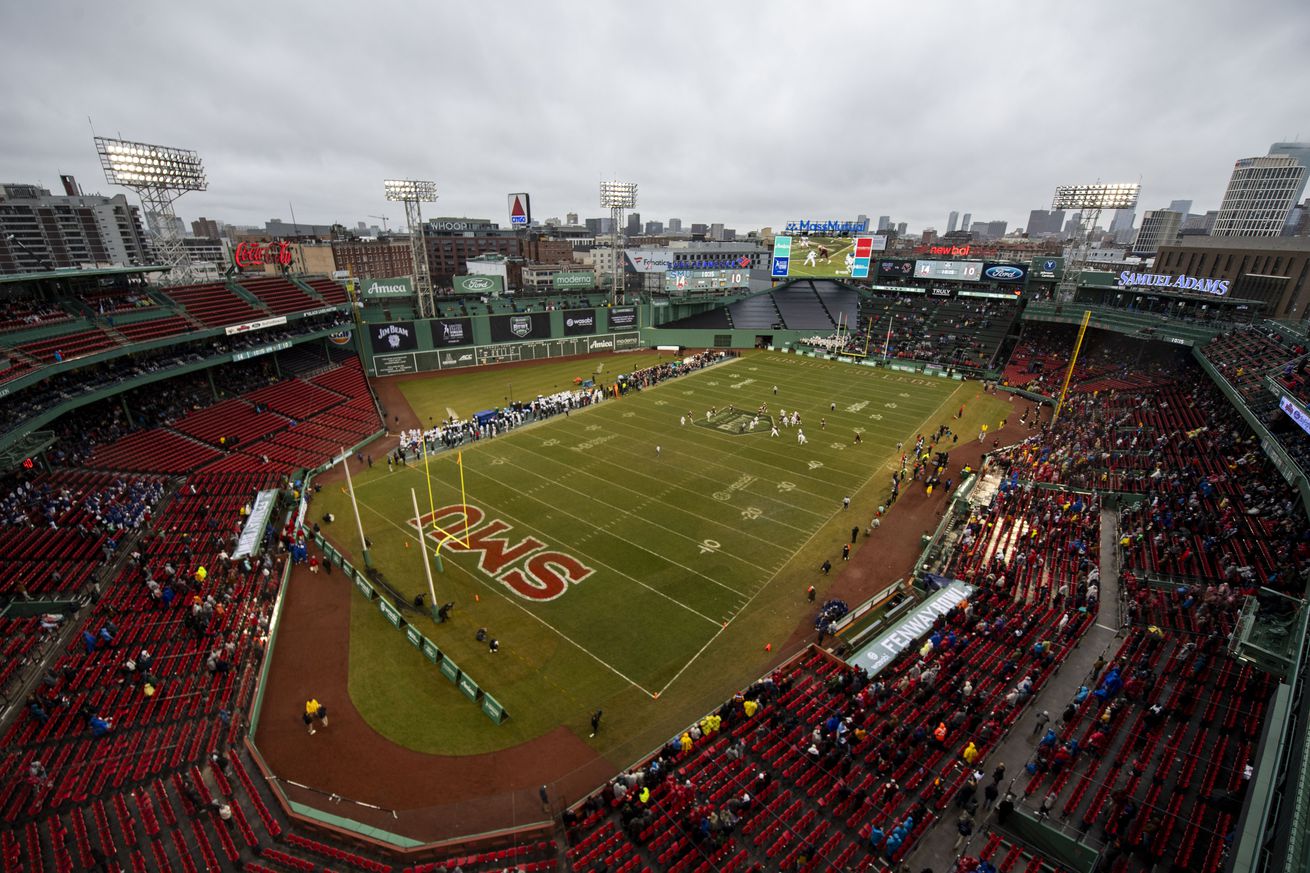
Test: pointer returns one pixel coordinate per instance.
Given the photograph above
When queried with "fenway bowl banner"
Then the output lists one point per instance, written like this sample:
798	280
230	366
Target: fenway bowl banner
340	338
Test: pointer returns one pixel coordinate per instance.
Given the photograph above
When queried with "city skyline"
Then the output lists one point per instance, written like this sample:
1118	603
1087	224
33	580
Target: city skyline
283	121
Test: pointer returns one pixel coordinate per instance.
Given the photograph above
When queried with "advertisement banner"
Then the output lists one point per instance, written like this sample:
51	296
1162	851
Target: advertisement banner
396	336
650	260
449	669
398	286
453	360
578	322
781	257
573	281
962	271
232	330
530	325
895	268
451	332
1047	268
623	318
1005	272
468	686
520	210
478	284
389	612
492	708
915	623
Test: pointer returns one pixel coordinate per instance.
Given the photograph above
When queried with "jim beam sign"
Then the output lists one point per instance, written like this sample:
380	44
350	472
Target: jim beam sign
397	336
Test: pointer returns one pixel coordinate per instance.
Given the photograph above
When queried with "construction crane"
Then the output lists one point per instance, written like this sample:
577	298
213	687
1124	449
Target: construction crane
381	218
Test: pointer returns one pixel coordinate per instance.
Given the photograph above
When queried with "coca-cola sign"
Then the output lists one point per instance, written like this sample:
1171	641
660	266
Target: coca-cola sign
251	254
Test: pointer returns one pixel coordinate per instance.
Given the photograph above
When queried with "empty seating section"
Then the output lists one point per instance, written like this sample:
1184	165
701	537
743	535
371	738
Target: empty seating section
47	562
303	423
282	296
230	419
116	300
156	450
758	312
801	309
294	398
20	641
331	292
66	347
155	328
214	304
711	319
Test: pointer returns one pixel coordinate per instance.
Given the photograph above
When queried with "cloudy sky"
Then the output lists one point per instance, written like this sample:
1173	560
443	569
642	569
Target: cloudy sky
750	113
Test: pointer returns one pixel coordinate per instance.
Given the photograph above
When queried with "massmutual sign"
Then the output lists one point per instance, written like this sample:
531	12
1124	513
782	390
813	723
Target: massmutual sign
833	227
1129	279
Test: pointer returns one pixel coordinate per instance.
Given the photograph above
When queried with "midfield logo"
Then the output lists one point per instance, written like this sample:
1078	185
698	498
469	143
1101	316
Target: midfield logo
523	567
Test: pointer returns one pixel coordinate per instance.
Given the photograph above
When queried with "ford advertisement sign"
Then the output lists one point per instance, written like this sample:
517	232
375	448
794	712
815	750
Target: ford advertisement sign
1005	272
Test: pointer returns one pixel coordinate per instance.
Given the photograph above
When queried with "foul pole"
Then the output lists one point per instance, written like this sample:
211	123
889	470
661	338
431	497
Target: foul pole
423	550
1068	374
359	525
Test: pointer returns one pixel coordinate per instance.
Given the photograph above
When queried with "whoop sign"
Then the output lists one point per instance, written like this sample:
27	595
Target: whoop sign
528	567
250	254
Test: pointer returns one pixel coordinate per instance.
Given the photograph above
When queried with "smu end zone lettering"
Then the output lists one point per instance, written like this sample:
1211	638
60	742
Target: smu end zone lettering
520	566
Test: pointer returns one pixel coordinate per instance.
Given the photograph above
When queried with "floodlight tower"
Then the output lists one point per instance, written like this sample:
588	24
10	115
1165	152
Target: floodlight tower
412	192
618	196
1089	200
159	175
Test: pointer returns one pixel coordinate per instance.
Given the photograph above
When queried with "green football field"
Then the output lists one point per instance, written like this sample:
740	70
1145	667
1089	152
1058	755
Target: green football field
623	558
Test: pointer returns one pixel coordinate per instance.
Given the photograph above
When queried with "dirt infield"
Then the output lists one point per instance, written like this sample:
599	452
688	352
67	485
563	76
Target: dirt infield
432	797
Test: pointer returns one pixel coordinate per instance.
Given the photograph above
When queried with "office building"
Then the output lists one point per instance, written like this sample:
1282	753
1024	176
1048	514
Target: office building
42	231
901	227
1260	196
206	227
1045	222
1160	227
597	226
1071	227
716	232
966	221
952	221
1121	226
1200	225
929	236
1272	270
654	227
675	225
372	259
571	219
634	224
884	222
1182	207
276	228
700	230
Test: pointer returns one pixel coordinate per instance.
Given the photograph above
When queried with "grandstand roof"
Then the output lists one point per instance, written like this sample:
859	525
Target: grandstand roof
97	273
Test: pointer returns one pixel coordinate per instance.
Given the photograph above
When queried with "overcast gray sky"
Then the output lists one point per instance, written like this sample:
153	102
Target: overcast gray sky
750	113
